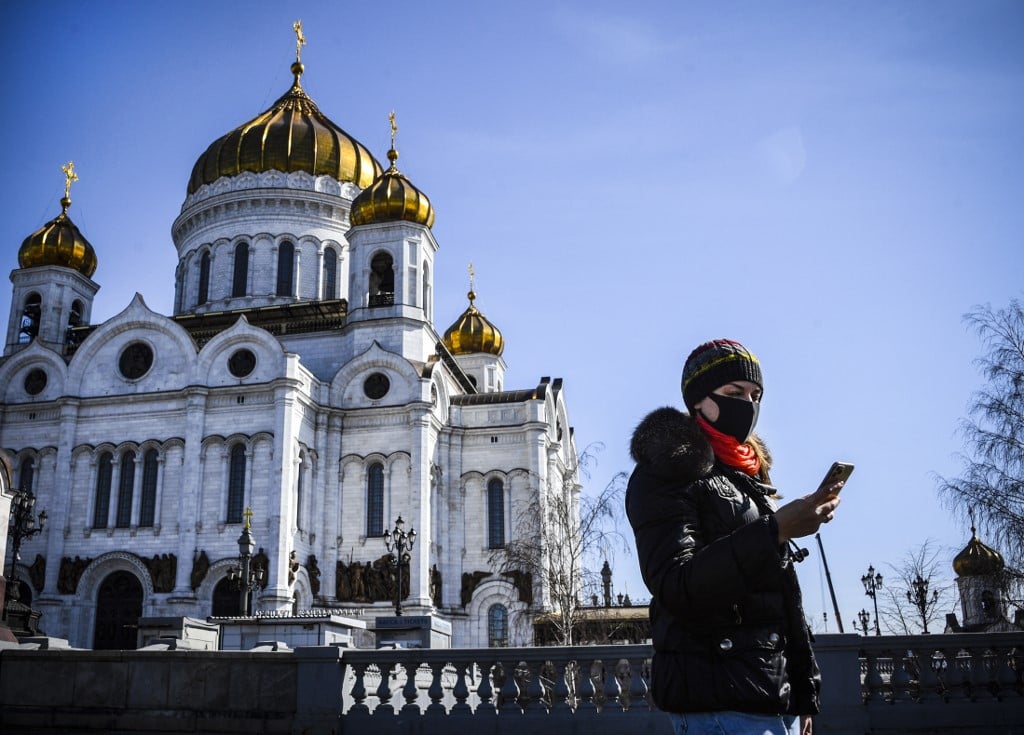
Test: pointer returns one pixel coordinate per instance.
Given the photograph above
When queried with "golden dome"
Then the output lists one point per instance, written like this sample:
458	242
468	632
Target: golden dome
392	197
293	135
977	559
471	332
58	242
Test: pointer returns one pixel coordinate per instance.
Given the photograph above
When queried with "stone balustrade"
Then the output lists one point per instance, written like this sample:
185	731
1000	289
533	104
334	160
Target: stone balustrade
937	684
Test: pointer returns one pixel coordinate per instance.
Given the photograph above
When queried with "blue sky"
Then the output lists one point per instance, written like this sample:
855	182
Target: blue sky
833	184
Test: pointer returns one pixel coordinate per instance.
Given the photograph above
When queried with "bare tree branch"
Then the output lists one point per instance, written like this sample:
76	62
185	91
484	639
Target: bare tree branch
561	537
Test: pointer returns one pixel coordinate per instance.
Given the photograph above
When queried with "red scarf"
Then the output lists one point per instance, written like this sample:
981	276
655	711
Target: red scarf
729	451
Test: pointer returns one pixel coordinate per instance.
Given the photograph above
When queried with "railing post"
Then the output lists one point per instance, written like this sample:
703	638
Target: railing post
484	691
409	692
461	691
436	691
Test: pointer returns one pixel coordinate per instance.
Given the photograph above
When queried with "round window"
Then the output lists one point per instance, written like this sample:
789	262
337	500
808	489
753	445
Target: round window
241	363
136	360
35	381
376	386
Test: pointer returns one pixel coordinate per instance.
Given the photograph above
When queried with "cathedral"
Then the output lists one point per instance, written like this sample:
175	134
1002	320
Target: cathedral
300	386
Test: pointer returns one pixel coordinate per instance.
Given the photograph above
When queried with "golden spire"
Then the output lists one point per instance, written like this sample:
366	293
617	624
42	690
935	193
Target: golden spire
300	40
248	516
472	275
392	151
69	177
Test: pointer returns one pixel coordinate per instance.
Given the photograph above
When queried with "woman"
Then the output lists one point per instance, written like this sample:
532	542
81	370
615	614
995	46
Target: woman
732	651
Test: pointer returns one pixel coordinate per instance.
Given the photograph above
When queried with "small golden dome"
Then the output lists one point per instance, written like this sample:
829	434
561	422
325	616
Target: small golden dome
58	242
977	559
392	197
471	332
293	135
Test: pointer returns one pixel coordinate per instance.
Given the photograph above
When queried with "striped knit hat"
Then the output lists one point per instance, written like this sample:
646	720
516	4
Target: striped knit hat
714	364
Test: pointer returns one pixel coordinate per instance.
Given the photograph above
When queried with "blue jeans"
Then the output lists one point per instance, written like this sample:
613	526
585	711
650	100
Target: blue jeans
733	723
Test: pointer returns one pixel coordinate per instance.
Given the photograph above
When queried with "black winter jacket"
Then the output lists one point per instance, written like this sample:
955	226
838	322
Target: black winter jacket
726	616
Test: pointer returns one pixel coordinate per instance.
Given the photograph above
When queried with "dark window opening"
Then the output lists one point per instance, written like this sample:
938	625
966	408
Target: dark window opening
124	491
236	484
240	280
375	500
104	472
147	510
330	273
382	280
30	314
285	269
204	278
495	514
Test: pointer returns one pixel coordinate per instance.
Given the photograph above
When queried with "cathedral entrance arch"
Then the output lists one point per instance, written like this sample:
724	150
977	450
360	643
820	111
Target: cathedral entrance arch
226	602
118	609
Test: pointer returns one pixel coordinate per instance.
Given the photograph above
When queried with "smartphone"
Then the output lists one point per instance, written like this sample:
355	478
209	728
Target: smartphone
839	471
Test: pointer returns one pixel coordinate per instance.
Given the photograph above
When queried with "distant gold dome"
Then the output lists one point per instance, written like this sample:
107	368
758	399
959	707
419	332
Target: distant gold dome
293	135
977	559
471	333
58	242
390	198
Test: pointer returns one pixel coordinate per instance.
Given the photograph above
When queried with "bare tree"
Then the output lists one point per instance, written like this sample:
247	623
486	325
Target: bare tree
992	481
916	596
560	539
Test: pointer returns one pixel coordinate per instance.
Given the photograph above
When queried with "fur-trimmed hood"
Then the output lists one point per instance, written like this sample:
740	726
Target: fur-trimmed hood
670	442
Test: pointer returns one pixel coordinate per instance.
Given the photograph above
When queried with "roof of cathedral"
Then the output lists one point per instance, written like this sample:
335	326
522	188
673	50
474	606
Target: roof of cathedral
390	198
472	332
977	559
58	242
293	135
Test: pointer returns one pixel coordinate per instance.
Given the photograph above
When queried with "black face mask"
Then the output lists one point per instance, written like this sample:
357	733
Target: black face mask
736	417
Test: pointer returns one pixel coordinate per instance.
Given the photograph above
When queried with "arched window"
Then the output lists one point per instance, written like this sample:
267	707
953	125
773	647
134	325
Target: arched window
382	280
497	626
26	475
74	320
495	514
30	314
236	484
147	510
124	491
204	278
104	471
285	269
240	279
375	500
330	273
427	305
299	491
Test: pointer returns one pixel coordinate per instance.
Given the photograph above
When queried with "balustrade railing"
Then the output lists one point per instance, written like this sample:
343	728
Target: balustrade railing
490	681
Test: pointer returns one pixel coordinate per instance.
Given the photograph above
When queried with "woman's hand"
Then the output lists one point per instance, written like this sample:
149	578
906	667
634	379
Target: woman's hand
803	516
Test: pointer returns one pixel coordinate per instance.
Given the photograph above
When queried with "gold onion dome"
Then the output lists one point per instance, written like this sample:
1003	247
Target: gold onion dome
293	135
391	198
59	242
977	559
472	332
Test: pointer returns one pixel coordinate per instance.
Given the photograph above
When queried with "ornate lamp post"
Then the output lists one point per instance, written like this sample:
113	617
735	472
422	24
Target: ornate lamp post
872	583
399	544
864	618
919	598
244	575
24	524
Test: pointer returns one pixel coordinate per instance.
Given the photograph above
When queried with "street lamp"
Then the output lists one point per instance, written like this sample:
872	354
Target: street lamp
24	524
399	544
245	577
864	618
872	583
919	598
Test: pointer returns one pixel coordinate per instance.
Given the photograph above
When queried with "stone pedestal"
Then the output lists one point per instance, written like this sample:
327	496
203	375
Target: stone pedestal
413	631
197	635
305	629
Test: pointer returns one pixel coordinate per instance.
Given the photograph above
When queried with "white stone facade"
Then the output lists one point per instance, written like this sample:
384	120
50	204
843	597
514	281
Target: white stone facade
186	438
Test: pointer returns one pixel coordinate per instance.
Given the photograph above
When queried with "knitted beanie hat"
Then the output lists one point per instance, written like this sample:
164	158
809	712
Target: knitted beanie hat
714	364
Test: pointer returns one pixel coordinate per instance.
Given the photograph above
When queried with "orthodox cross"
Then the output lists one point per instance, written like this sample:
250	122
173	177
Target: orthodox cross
69	176
248	517
394	127
472	274
300	40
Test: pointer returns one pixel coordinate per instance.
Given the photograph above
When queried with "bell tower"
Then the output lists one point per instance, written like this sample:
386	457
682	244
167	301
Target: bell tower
53	286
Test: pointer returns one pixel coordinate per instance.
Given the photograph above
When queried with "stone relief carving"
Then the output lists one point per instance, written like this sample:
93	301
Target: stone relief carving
37	573
200	566
369	581
163	569
313	569
71	571
470	581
